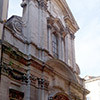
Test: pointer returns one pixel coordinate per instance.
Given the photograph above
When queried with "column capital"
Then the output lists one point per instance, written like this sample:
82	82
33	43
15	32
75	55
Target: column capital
42	83
42	4
72	36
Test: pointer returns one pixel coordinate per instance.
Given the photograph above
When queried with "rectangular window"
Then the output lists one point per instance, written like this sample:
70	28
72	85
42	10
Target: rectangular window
55	45
15	95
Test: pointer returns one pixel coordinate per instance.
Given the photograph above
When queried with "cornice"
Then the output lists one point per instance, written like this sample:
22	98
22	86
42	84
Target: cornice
68	14
93	79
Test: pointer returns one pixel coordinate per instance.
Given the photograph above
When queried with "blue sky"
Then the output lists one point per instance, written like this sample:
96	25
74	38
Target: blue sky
87	41
87	15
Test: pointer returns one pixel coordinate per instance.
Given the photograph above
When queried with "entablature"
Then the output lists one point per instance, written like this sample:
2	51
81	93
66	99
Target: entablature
70	24
57	24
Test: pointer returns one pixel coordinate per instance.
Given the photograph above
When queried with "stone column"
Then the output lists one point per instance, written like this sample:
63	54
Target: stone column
42	89
70	50
4	81
73	51
27	92
3	16
28	85
40	86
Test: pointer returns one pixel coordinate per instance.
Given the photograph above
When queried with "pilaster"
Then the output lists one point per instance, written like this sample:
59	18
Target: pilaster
4	87
3	14
73	51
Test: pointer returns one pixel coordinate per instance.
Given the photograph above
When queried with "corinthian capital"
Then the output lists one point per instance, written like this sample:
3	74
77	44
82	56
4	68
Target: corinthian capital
42	4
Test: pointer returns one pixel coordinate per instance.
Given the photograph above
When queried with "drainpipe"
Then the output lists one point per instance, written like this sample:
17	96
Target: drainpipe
28	82
26	3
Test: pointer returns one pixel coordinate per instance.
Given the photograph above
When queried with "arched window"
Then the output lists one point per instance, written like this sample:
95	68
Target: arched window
55	45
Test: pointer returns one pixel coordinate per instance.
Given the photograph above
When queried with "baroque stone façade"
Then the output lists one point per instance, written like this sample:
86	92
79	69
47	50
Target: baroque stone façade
38	56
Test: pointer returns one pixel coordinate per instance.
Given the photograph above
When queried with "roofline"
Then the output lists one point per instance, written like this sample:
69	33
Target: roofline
65	5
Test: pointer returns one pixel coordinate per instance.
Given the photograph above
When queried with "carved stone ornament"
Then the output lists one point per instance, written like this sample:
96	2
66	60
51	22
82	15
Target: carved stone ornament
15	24
10	72
42	83
42	4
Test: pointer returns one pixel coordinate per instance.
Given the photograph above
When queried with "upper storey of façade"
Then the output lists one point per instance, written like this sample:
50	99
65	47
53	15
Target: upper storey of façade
45	31
59	9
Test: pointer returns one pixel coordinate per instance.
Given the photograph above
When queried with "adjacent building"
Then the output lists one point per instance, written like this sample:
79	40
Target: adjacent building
93	85
38	53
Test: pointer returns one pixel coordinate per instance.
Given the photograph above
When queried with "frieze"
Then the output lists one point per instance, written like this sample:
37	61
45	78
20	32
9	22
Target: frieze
13	73
33	79
41	83
19	76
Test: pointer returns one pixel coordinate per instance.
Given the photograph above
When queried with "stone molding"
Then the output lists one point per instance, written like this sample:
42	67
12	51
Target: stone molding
13	73
22	77
57	25
42	4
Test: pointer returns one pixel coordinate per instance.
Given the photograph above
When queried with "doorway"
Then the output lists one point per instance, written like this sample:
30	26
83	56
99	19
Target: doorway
60	96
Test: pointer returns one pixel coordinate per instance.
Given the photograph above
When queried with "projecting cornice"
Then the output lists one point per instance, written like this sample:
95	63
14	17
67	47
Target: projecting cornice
69	18
92	79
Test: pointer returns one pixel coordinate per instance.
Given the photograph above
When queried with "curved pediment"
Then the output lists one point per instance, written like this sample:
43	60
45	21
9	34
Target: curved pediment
62	68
